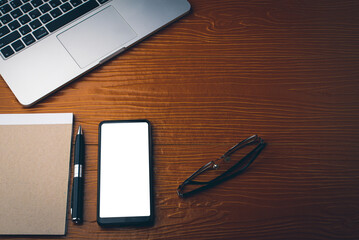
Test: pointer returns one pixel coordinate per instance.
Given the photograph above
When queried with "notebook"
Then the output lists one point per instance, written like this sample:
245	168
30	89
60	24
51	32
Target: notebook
35	153
45	44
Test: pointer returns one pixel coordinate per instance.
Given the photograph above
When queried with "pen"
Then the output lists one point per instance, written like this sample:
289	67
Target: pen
78	182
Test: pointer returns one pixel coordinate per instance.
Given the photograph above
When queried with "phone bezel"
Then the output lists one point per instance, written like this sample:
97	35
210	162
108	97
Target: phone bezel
124	221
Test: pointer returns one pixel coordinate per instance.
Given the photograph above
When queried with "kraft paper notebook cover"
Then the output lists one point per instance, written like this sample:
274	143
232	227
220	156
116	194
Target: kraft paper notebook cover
35	153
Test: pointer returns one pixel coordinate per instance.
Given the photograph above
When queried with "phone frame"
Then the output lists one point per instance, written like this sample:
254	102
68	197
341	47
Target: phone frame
125	221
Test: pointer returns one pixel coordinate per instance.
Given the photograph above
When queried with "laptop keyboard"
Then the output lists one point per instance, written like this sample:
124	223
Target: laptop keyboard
23	22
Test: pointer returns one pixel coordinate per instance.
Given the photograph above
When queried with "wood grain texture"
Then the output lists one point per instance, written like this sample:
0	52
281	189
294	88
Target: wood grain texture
286	70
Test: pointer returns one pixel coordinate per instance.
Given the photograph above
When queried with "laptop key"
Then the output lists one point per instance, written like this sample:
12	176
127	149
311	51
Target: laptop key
55	3
24	19
7	52
35	24
40	33
45	8
36	3
66	7
18	45
6	19
28	39
75	3
15	3
3	31
72	15
45	18
55	13
26	8
9	38
14	25
25	30
5	8
16	13
34	13
2	2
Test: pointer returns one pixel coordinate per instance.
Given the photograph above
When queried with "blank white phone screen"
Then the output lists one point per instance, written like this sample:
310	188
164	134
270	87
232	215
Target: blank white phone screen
124	170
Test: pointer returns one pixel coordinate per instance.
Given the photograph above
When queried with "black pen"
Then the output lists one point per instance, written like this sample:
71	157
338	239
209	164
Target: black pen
78	182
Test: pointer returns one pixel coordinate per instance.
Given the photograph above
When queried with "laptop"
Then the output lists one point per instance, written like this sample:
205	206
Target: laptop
45	44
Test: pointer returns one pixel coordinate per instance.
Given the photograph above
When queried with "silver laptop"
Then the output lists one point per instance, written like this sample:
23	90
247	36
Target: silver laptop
45	44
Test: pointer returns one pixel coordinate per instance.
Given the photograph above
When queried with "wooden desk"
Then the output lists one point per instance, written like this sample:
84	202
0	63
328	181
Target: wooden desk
286	70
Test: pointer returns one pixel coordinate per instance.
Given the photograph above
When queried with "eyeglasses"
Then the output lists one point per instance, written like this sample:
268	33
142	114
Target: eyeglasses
229	165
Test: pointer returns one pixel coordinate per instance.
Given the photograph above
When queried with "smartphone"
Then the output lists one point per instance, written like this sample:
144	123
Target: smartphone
125	181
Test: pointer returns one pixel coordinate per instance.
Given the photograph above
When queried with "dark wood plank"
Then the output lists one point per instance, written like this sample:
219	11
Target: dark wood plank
286	70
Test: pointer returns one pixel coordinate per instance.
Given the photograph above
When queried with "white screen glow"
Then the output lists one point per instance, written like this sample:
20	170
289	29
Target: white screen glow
125	180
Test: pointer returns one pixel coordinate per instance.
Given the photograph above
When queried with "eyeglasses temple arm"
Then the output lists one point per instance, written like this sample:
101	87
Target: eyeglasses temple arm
253	154
189	179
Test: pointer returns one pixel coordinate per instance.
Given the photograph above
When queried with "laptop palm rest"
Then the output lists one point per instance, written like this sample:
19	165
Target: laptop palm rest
108	32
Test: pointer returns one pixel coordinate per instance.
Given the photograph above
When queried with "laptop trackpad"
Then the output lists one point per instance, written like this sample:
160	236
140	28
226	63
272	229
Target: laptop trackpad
97	36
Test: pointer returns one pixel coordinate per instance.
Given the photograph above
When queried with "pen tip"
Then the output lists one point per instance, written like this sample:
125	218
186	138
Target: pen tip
80	130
